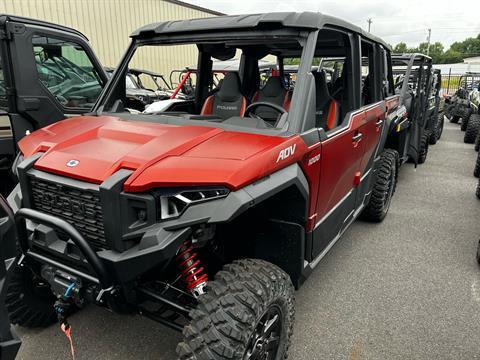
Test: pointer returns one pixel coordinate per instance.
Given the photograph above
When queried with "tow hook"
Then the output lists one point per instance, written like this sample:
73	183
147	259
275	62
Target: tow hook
62	307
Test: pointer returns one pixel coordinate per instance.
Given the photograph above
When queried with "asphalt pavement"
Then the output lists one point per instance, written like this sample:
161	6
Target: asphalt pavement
407	288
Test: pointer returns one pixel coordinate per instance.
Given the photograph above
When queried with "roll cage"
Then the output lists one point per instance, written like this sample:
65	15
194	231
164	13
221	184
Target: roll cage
307	29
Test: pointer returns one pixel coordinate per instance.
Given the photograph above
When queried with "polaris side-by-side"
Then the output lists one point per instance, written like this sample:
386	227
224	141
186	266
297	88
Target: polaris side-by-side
414	83
207	216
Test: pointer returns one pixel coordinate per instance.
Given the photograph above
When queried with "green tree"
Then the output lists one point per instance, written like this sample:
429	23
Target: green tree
400	48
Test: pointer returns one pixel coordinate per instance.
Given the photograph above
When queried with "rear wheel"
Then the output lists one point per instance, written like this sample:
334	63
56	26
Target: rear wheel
439	127
422	154
383	187
477	141
472	129
247	313
29	299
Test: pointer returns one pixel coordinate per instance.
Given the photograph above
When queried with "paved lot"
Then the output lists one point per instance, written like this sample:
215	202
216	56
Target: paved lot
408	288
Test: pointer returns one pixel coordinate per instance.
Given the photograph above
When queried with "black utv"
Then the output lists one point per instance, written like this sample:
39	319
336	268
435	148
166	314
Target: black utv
414	82
465	103
437	117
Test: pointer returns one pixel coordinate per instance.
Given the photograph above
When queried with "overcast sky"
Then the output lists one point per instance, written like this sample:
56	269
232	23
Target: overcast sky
394	21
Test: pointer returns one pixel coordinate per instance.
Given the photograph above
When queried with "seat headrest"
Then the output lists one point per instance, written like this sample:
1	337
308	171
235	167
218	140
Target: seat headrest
273	86
230	89
321	87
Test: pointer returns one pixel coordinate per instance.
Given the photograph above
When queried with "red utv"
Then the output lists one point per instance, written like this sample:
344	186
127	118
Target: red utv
212	211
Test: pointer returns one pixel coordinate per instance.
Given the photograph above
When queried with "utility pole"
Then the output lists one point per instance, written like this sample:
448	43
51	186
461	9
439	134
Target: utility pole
369	21
428	41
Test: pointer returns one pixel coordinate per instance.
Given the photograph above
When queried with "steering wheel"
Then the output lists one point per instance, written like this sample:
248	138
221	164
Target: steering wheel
275	107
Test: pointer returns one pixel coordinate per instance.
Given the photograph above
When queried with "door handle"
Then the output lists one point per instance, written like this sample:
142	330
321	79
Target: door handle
379	123
356	138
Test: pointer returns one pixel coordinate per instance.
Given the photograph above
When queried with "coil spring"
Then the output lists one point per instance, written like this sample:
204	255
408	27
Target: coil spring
193	273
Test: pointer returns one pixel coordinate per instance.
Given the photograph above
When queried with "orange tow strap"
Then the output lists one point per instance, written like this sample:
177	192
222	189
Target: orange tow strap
67	329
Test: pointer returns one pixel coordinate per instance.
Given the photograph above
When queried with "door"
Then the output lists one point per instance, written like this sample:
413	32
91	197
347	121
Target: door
50	73
341	157
373	103
343	145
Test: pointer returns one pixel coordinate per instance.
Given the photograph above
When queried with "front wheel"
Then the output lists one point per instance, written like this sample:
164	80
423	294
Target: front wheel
472	129
247	313
29	298
383	187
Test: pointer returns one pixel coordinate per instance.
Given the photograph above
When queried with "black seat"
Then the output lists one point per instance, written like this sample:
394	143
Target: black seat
228	101
273	92
327	108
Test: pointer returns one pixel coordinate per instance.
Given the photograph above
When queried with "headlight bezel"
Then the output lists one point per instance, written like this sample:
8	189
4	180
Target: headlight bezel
173	202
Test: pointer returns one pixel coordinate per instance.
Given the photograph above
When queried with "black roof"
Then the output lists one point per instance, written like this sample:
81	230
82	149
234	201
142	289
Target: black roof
27	20
303	20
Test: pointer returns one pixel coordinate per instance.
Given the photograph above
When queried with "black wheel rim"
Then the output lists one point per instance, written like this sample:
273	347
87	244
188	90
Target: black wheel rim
265	340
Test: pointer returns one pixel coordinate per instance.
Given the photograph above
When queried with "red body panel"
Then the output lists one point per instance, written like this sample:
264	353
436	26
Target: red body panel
341	159
159	154
375	118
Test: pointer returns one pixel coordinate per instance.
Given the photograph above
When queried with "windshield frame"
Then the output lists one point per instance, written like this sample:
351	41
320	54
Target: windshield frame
111	92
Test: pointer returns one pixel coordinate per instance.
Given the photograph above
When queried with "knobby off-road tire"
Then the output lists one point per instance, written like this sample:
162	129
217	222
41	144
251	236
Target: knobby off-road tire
478	189
383	187
472	129
246	297
423	152
464	124
476	170
29	299
439	127
432	139
477	141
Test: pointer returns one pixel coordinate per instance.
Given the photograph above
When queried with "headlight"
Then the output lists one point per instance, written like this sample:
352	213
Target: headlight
172	204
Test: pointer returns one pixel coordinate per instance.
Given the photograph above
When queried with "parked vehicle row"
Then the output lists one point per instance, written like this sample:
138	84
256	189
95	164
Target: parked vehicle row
464	105
205	215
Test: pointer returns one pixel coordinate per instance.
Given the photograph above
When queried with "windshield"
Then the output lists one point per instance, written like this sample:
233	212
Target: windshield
214	92
67	71
130	83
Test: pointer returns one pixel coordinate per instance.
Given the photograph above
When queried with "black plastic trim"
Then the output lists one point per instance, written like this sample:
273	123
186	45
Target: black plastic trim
90	255
109	192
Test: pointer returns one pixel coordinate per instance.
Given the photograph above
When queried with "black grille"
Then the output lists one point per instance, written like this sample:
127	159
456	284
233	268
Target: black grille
80	207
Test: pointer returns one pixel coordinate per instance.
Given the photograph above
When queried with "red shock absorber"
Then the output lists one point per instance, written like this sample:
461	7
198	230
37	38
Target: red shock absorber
193	273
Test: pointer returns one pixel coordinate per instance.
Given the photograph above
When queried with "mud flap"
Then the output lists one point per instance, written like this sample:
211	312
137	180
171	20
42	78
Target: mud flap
9	341
288	240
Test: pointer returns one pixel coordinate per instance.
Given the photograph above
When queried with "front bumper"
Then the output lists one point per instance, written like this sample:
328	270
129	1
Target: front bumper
77	257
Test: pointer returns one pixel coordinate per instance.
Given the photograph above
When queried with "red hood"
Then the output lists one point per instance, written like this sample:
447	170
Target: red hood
159	154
